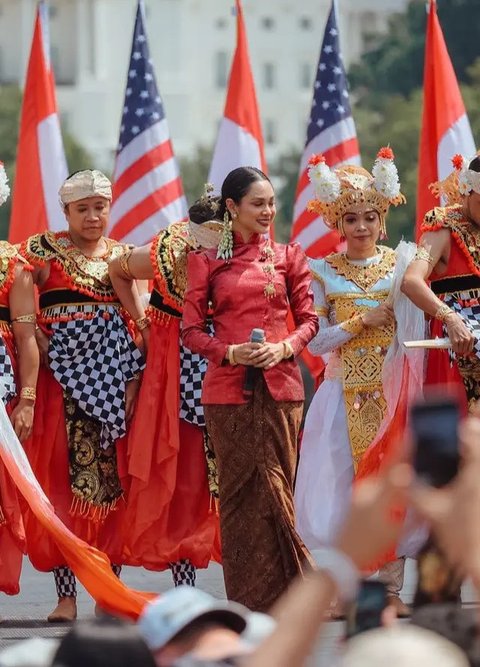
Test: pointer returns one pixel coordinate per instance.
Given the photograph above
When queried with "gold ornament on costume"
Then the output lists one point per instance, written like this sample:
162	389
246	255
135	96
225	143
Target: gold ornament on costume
338	190
364	276
84	184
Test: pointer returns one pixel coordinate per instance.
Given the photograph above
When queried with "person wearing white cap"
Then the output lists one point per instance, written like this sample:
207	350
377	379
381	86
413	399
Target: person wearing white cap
87	383
188	622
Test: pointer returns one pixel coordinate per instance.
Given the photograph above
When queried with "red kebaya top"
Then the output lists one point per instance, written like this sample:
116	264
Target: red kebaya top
236	291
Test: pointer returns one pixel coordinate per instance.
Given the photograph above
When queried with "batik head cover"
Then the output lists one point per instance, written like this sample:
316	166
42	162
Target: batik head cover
338	190
460	183
84	184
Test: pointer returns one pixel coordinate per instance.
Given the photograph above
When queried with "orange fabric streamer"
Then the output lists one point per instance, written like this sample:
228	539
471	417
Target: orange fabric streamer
90	565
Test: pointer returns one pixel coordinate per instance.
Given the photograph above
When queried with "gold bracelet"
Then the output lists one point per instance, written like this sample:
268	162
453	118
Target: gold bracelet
136	376
123	261
443	312
30	318
28	393
355	325
422	253
142	322
231	355
288	352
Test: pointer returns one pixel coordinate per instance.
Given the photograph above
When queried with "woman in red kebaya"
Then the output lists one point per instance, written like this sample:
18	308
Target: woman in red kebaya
251	282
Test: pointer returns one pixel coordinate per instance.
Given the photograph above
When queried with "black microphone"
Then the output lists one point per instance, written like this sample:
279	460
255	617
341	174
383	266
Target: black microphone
257	336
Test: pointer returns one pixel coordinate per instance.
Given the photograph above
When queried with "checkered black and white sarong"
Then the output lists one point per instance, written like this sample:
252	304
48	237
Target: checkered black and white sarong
192	371
8	389
93	359
468	307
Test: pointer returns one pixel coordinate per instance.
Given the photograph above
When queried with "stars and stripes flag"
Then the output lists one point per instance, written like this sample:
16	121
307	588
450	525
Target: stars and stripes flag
445	125
147	188
40	167
239	141
330	131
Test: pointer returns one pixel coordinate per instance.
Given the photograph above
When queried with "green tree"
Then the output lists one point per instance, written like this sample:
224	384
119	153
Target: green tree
395	63
10	106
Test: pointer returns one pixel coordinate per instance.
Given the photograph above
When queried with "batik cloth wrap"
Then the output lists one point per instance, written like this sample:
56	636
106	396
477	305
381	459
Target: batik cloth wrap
93	359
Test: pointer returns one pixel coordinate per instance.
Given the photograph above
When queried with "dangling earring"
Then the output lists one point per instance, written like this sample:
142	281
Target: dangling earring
225	247
383	230
341	231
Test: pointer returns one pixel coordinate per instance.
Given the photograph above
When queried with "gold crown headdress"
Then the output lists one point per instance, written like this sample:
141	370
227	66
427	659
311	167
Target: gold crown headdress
337	190
4	187
461	182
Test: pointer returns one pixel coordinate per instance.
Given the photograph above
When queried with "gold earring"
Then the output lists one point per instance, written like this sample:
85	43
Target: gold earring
225	247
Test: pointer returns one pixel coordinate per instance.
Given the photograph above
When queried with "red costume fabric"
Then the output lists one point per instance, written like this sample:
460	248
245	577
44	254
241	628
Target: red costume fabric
462	273
68	285
12	533
170	514
239	284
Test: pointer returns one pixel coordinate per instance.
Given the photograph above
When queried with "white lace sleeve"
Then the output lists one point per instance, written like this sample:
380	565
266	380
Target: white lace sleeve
330	335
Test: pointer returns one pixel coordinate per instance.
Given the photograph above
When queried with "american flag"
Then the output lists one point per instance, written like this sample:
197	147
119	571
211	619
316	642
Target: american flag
330	131
148	192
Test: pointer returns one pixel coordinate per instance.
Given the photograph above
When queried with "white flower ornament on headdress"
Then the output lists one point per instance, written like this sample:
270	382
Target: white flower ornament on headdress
324	180
468	179
4	187
385	174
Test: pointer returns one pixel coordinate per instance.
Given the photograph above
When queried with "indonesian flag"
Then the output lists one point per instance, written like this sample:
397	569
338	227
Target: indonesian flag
445	126
41	167
240	141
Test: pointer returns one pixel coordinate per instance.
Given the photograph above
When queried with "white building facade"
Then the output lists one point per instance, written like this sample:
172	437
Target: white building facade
191	43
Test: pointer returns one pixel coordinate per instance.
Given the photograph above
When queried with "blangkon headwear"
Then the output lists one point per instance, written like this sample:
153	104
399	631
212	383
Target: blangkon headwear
84	184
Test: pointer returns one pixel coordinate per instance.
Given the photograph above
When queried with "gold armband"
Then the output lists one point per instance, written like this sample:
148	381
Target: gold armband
142	323
123	261
288	352
31	318
443	312
422	253
354	325
29	393
231	355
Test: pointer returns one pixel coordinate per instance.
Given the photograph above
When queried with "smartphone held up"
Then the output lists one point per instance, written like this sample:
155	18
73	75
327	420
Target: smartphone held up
434	426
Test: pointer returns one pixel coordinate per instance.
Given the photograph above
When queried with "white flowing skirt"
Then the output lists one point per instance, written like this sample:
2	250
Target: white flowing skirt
325	471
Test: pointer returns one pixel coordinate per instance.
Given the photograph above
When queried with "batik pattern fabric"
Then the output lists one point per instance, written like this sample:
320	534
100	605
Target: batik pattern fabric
93	359
192	371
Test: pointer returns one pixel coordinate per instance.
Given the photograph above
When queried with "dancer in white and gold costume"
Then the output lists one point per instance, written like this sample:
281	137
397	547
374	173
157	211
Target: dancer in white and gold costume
357	325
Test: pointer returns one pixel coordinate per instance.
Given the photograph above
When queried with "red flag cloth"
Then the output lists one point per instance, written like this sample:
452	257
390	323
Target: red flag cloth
41	167
445	126
240	140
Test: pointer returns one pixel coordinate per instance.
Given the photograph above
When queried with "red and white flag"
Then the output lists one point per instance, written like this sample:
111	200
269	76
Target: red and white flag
331	131
41	167
240	141
147	190
445	125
